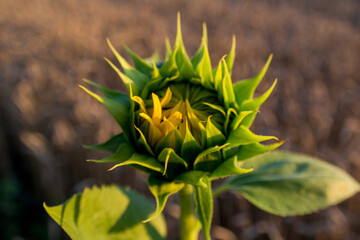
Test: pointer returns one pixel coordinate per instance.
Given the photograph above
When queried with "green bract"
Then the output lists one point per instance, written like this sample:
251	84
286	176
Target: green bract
183	122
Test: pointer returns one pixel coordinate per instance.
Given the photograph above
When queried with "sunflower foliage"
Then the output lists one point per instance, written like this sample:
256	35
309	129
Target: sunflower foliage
186	124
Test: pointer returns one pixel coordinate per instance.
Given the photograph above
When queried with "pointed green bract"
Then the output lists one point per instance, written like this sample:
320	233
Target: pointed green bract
156	73
254	105
142	161
213	135
168	48
202	64
110	145
166	142
227	168
230	113
231	57
140	78
140	64
245	89
254	149
111	94
209	159
228	92
124	152
219	73
288	184
243	136
126	80
161	189
204	206
216	107
108	212
173	163
238	119
190	147
181	58
193	177
118	110
142	140
200	52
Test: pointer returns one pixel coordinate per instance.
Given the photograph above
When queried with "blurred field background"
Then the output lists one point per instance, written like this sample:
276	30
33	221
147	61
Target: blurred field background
46	47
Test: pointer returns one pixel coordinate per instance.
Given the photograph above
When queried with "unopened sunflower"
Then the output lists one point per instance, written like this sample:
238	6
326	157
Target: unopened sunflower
182	121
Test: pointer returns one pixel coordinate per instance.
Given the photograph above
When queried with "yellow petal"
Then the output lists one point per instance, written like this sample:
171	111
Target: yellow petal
191	115
182	127
166	126
157	112
153	133
176	108
175	118
165	101
140	102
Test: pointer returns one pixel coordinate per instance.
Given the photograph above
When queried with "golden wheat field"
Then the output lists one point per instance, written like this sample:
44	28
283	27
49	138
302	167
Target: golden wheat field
47	47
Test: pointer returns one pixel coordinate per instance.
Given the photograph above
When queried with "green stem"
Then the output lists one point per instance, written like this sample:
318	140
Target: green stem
189	225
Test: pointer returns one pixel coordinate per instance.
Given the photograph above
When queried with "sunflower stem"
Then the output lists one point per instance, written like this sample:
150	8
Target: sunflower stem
189	224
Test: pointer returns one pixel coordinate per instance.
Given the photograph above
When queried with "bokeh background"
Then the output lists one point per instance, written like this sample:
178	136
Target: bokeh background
46	47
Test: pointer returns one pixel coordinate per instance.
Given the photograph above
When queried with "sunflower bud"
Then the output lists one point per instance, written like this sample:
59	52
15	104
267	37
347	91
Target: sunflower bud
183	121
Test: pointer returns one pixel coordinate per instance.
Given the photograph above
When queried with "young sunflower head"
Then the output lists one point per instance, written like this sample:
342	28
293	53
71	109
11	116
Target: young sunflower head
183	120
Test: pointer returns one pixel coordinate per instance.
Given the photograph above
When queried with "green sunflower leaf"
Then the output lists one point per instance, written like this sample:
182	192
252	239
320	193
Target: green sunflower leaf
254	105
110	145
193	177
243	136
161	189
117	109
209	159
139	63
108	212
213	135
289	184
245	89
227	168
204	206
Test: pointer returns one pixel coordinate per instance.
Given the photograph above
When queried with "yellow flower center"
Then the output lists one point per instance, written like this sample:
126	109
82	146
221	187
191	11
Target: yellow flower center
176	109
